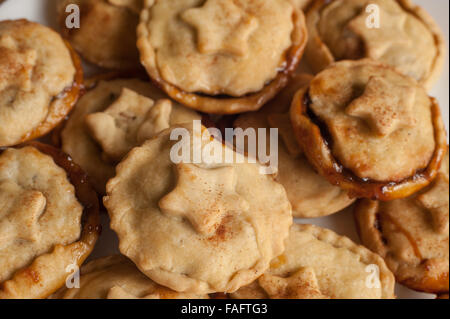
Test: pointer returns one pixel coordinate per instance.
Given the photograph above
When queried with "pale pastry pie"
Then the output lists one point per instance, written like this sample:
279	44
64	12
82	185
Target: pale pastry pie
310	194
395	32
221	56
412	234
116	277
112	118
107	32
199	226
49	220
319	264
40	79
370	130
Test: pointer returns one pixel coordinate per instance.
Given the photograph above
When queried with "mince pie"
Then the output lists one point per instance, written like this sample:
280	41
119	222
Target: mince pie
194	224
49	220
221	56
370	130
412	234
319	264
395	32
107	32
40	80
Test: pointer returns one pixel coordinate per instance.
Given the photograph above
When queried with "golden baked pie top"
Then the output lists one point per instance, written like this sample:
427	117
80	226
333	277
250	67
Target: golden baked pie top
412	234
107	33
35	67
198	228
319	264
116	277
38	208
380	122
217	46
406	36
114	117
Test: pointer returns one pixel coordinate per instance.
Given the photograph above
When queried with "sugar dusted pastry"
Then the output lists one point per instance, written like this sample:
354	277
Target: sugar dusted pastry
406	37
116	277
48	220
319	264
310	194
412	234
111	119
370	130
196	227
40	78
107	33
214	56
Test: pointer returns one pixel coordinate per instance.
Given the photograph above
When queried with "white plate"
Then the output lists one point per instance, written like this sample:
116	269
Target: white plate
43	11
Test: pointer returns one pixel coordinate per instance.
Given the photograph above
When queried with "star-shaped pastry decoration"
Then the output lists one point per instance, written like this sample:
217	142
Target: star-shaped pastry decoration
283	123
301	285
20	210
16	65
204	196
128	122
436	201
392	31
385	106
222	27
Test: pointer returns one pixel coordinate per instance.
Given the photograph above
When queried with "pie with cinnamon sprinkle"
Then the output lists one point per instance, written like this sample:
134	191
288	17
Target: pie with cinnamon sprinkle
40	80
116	277
395	32
319	264
412	234
370	130
196	226
112	118
49	220
221	56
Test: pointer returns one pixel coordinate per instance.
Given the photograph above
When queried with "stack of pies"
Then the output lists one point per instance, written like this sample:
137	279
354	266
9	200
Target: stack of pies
361	132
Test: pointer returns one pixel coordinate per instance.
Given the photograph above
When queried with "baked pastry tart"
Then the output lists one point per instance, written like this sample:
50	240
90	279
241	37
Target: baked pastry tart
370	130
310	194
40	81
107	32
198	226
213	55
116	277
412	234
49	220
319	264
112	118
395	32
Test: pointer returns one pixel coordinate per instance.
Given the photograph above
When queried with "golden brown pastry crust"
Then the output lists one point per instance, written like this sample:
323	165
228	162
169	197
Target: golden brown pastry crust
411	234
317	148
116	277
47	273
320	264
224	226
61	104
320	55
219	104
107	33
